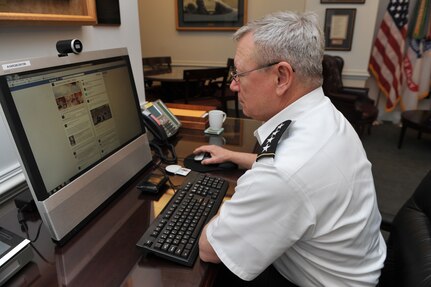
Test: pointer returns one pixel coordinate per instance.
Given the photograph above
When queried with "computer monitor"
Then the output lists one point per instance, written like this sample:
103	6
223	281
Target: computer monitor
77	125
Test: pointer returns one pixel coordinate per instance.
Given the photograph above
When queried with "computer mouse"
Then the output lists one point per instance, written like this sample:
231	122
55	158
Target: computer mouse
202	156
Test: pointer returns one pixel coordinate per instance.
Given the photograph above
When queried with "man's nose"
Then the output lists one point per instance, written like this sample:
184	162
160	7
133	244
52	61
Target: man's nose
234	86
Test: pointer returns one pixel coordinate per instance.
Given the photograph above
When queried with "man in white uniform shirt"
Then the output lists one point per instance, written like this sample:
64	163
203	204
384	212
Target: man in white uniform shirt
305	213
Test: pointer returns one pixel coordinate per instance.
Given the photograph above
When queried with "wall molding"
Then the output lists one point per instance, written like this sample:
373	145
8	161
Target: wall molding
12	183
356	74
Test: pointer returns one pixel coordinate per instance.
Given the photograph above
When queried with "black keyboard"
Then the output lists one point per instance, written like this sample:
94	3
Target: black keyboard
174	234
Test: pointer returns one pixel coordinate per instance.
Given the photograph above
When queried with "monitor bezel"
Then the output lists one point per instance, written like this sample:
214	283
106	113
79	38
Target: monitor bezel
17	129
63	212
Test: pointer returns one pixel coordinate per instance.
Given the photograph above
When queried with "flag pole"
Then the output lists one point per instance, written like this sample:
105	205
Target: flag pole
378	99
377	122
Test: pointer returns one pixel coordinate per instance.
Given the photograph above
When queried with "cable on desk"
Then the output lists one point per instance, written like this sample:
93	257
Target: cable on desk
157	148
24	228
173	186
40	254
23	222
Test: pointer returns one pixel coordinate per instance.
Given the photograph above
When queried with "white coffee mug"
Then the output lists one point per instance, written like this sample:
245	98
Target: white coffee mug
217	119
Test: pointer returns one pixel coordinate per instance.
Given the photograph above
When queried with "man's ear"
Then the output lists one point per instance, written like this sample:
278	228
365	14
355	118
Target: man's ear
285	77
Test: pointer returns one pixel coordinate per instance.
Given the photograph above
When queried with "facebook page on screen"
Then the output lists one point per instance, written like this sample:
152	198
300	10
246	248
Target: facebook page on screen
76	123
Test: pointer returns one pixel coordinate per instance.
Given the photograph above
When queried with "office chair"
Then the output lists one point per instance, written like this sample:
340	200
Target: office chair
408	261
352	102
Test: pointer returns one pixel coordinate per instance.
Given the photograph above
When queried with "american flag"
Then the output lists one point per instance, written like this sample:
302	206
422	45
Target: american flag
386	61
417	65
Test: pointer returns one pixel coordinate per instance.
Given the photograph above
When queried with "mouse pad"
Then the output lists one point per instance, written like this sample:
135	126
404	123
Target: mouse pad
189	162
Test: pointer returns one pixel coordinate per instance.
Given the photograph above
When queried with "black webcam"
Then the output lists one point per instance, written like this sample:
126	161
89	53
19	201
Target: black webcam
65	47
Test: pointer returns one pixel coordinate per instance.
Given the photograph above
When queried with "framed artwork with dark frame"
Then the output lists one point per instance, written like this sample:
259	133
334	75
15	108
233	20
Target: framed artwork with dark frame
208	15
339	24
342	1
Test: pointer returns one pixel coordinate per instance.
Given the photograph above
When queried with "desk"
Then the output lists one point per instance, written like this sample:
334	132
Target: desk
416	119
104	252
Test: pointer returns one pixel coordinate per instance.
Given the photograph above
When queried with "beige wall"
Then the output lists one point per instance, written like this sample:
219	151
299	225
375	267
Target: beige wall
159	36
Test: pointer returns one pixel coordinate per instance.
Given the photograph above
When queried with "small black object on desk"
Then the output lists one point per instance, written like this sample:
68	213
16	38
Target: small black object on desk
152	183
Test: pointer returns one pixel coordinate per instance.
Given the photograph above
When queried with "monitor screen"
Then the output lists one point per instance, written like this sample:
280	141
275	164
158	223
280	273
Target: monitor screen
73	121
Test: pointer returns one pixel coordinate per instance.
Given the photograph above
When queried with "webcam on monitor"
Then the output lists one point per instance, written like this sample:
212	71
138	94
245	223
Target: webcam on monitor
64	47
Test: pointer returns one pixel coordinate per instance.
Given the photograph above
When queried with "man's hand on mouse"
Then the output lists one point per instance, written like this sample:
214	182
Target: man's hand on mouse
217	154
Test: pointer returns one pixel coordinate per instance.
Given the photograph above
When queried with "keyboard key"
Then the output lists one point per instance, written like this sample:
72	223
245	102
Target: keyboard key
172	249
185	253
148	243
157	245
179	250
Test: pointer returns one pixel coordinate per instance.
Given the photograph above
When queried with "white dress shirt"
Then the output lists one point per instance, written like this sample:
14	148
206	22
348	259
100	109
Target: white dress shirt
311	210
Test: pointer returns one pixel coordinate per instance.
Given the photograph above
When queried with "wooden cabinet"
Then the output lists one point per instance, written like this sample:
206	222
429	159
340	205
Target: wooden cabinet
82	12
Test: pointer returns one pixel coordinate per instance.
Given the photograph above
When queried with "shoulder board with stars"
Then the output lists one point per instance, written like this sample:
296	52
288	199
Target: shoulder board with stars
268	147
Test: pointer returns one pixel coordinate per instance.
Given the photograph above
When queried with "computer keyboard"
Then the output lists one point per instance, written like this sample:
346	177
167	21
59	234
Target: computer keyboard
174	234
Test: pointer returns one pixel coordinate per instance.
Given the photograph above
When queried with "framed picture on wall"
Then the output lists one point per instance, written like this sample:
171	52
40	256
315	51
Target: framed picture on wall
342	1
108	12
210	14
339	24
65	12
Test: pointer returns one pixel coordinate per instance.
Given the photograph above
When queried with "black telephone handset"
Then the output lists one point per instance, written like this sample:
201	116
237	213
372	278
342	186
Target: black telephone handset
162	124
154	127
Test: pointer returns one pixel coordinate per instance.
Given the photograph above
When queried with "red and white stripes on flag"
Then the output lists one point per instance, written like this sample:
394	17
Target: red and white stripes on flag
417	61
425	76
386	61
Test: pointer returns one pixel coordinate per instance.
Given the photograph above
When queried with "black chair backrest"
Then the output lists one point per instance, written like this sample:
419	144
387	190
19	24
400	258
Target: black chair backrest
157	65
231	66
408	261
332	73
205	82
230	95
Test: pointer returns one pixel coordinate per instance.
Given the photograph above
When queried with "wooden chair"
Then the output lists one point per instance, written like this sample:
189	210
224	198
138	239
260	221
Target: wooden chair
155	66
206	87
352	102
229	94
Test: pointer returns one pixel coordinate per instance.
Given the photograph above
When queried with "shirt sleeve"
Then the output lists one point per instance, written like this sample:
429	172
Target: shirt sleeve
267	214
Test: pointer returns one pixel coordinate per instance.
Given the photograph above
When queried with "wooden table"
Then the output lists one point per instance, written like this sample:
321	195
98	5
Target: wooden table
419	120
175	76
172	85
104	252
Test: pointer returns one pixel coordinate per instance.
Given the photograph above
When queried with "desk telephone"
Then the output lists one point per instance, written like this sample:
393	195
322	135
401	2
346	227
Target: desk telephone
162	124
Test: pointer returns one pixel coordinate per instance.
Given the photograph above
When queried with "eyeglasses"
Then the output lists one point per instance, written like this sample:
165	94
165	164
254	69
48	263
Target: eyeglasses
235	75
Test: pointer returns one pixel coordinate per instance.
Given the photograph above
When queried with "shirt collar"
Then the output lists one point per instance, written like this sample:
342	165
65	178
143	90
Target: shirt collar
291	112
